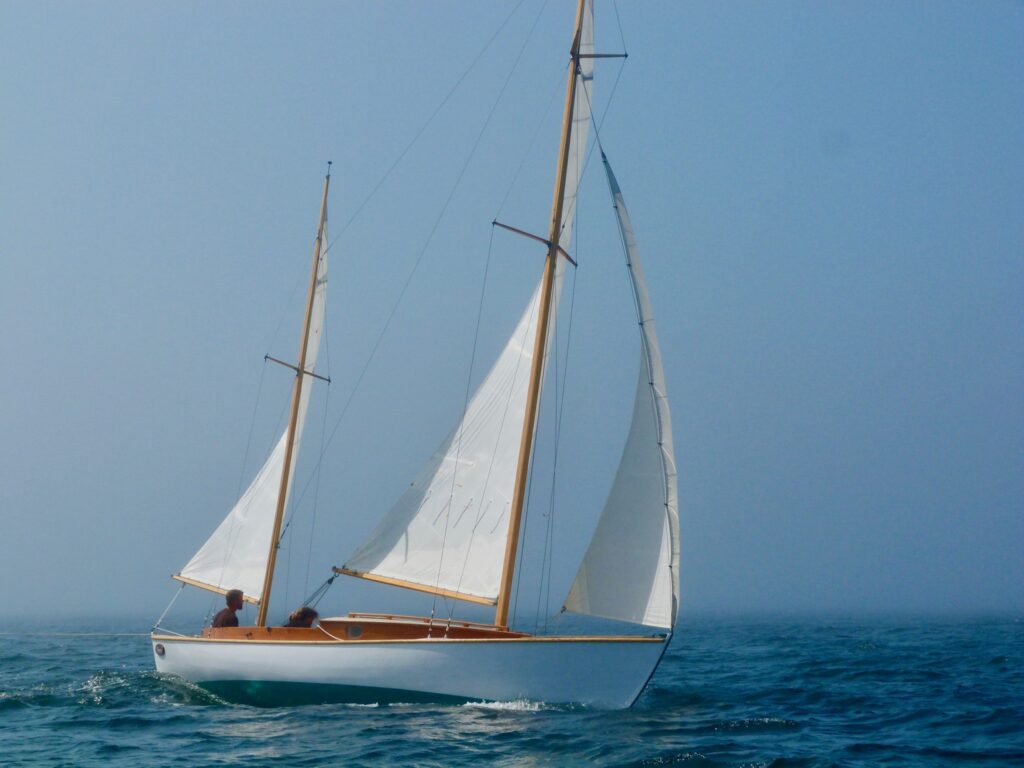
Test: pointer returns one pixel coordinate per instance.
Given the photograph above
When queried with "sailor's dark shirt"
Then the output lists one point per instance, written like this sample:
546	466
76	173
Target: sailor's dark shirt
226	618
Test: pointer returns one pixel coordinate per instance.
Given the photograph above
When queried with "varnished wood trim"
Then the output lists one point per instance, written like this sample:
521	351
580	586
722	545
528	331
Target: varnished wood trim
211	588
416	587
417	619
435	640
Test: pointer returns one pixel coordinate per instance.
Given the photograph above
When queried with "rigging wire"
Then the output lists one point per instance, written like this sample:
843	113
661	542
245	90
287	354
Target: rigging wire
598	123
490	465
169	605
287	570
547	555
501	206
252	425
548	552
618	21
559	86
401	156
209	610
297	281
549	544
323	432
316	490
241	482
480	305
408	280
582	169
295	505
547	515
426	124
526	515
319	592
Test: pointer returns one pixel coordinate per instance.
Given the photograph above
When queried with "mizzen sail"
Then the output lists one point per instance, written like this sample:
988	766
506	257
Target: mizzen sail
235	555
631	569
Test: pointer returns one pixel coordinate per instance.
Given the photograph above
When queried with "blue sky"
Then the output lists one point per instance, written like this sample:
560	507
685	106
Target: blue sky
828	198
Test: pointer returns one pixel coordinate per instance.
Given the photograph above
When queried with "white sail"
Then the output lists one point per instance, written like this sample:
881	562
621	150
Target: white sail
235	556
631	569
448	531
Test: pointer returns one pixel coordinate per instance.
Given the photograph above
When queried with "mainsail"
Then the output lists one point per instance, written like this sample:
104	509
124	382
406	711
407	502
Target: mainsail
235	556
447	533
631	569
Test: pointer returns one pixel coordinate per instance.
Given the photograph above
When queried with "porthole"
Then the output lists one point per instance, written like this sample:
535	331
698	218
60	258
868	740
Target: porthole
159	648
354	632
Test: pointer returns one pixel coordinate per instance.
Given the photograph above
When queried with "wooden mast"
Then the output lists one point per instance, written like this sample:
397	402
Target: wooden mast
289	448
540	342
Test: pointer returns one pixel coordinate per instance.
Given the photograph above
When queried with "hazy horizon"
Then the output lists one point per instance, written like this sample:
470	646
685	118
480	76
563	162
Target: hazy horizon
143	621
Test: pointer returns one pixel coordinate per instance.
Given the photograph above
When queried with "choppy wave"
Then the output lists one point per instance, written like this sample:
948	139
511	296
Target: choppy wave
734	693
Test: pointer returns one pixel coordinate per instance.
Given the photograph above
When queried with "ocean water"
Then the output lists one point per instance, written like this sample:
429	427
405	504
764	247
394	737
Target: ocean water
728	693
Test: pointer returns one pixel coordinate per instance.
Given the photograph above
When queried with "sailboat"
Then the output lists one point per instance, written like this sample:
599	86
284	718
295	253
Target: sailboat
454	533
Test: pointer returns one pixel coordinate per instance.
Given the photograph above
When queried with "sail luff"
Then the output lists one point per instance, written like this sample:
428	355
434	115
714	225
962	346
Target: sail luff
293	420
540	340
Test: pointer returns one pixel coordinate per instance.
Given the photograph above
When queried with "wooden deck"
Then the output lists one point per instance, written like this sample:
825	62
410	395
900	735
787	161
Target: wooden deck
367	626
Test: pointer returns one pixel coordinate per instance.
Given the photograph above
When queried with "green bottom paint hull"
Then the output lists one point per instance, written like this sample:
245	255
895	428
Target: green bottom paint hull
261	693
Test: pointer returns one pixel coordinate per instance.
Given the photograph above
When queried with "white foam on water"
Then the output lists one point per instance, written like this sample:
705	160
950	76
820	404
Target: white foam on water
516	705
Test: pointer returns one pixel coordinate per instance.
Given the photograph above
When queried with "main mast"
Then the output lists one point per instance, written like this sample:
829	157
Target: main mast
540	342
300	370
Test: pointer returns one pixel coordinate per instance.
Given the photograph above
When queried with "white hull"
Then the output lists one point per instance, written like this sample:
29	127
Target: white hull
602	672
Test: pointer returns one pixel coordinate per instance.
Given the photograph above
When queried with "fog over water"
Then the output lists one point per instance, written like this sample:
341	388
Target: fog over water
827	198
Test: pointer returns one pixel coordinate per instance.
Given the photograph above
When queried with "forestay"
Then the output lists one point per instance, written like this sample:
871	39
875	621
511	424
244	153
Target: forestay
235	556
631	569
448	531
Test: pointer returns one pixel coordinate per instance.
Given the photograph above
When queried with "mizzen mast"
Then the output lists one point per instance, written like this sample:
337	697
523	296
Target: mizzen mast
300	371
540	342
